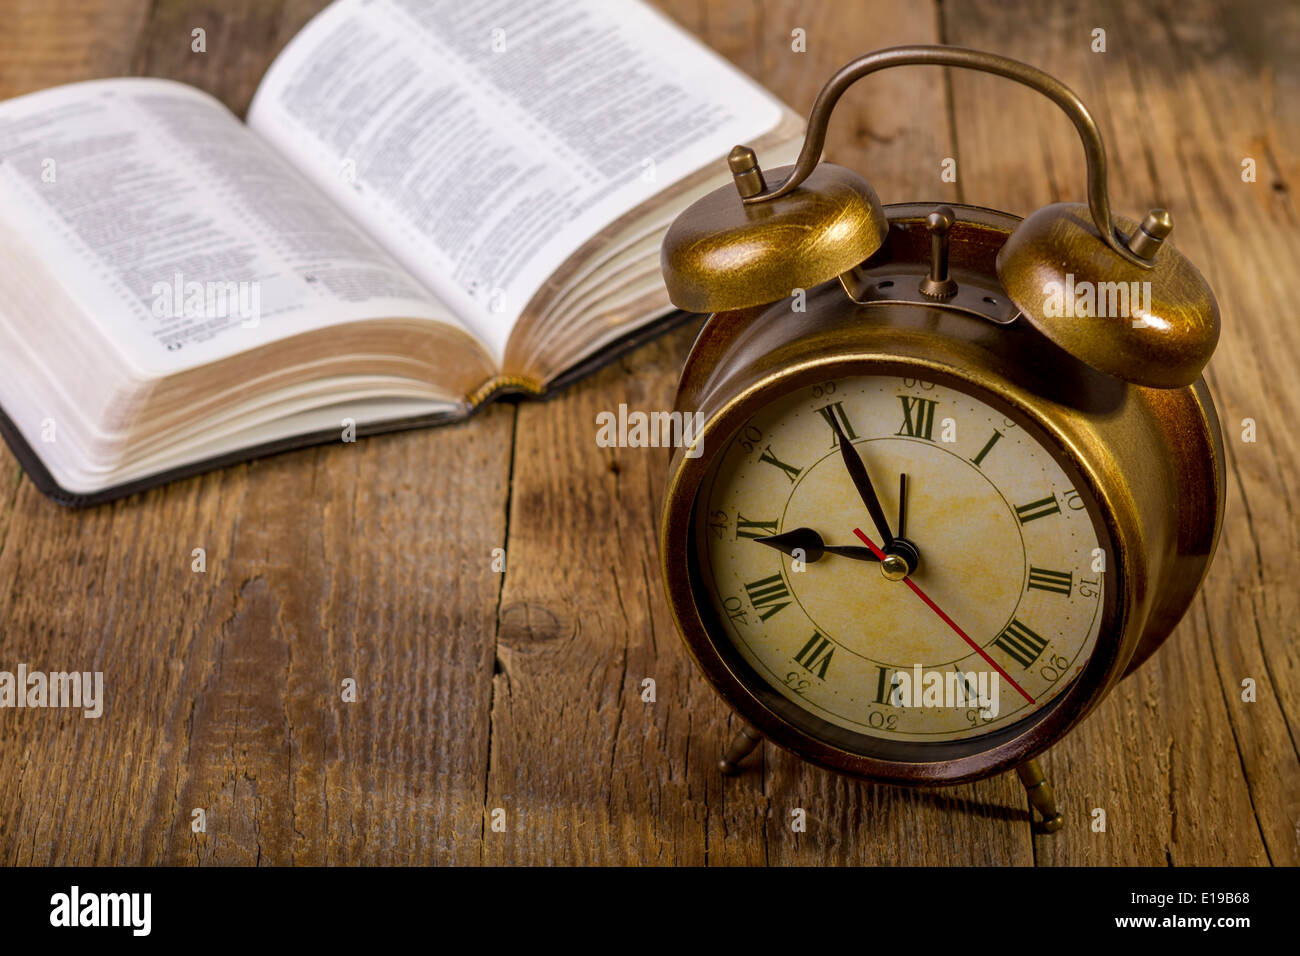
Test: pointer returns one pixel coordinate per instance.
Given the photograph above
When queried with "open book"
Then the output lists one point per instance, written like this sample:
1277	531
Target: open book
432	204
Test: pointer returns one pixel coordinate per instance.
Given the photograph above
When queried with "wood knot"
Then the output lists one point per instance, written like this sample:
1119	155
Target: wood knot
524	624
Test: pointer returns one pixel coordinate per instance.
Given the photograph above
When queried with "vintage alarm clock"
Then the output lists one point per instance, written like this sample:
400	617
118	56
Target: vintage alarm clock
958	473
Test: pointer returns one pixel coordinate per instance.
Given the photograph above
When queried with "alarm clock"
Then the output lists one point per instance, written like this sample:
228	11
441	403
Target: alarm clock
957	473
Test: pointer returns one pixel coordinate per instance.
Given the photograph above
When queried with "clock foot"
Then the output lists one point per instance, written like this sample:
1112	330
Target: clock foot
1040	795
740	748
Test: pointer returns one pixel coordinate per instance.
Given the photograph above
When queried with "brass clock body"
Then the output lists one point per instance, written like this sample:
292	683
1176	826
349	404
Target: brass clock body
1147	462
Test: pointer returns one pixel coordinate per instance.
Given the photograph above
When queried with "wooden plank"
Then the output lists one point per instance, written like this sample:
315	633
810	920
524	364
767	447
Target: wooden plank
224	688
367	560
48	42
1178	763
240	40
586	771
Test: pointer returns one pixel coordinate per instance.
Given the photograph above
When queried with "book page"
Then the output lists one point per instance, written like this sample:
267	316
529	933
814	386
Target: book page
178	231
483	143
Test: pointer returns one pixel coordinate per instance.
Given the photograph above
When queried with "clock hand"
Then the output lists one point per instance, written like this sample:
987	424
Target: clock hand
902	505
862	481
813	547
901	556
946	619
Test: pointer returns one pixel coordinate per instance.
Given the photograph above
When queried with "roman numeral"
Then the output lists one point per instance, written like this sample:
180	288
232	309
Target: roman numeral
831	412
770	593
753	529
816	655
978	460
1020	643
887	686
918	417
791	471
1037	509
1059	582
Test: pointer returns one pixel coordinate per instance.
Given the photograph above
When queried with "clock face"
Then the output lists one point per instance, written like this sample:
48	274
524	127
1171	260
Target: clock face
994	594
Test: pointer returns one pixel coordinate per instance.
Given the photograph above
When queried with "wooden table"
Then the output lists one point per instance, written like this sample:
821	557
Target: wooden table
522	691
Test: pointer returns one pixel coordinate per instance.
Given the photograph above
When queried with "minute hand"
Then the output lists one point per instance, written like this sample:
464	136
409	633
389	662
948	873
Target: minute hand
862	481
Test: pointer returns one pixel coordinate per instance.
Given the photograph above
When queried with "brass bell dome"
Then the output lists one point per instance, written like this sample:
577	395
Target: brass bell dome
722	253
1068	283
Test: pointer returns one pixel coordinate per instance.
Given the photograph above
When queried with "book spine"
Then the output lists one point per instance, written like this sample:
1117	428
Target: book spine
494	388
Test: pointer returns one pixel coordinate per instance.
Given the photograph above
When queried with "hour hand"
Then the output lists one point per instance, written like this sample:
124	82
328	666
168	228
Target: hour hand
813	547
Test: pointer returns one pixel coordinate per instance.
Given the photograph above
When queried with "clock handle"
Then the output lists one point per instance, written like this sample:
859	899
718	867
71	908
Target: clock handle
1137	249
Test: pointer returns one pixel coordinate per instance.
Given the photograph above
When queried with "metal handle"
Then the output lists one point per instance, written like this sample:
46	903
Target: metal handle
932	55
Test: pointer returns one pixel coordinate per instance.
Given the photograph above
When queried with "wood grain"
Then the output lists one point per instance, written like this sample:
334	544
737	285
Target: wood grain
523	691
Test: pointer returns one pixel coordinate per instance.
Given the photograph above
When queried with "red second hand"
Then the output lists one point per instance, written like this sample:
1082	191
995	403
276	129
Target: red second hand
946	619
